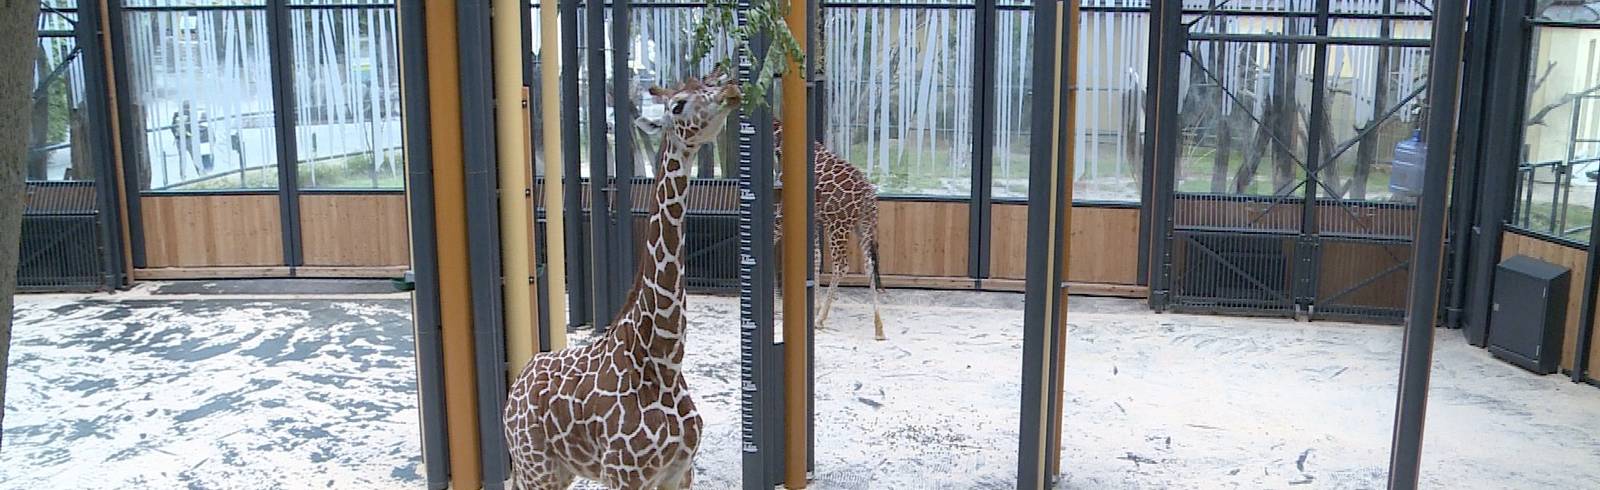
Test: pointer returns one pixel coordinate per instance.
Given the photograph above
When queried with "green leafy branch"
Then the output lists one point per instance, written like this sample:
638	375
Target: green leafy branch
763	18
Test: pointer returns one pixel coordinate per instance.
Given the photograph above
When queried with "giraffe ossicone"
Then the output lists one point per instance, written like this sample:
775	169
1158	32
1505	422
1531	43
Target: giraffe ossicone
618	410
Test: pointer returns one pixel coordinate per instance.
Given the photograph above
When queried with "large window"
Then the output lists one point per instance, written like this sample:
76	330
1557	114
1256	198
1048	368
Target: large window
201	79
1561	141
347	96
899	95
57	149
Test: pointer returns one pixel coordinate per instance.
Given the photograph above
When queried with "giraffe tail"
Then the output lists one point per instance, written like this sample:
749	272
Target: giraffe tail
877	277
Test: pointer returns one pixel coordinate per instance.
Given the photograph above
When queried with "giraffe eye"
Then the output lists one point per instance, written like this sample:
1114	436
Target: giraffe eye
677	107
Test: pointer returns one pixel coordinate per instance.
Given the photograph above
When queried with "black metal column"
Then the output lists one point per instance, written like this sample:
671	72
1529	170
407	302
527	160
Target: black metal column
476	46
579	310
1152	97
281	51
98	128
132	151
1162	146
1041	285
424	249
1591	281
1444	78
814	124
761	360
1464	196
1307	245
602	260
624	255
1500	146
983	107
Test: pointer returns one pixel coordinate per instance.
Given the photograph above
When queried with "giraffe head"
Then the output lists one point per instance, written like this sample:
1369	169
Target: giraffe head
696	110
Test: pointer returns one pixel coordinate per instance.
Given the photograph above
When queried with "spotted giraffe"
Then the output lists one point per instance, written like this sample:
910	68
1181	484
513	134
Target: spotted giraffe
845	202
618	410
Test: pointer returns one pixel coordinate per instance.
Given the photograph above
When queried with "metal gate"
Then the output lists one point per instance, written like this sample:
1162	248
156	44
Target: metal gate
1277	125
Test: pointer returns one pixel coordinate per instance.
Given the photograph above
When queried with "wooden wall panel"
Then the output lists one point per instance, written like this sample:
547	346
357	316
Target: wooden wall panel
1564	256
212	231
357	230
1369	268
1105	244
917	238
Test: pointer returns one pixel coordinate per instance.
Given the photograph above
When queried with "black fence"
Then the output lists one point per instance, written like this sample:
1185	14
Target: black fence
711	230
62	247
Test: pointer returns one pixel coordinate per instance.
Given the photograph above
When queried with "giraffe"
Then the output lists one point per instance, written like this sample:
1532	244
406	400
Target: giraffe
846	201
618	410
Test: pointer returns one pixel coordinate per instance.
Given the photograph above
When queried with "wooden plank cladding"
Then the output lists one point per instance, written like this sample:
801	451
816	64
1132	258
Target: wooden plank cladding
1105	244
212	231
917	238
1561	255
355	230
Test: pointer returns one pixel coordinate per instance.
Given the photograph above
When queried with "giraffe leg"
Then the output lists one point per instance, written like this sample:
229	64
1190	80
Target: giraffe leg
838	237
869	255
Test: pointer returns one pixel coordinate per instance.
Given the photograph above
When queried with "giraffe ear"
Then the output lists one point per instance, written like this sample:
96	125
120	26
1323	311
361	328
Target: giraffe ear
648	125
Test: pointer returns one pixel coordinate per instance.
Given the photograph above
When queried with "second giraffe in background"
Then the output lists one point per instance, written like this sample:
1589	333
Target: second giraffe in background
846	202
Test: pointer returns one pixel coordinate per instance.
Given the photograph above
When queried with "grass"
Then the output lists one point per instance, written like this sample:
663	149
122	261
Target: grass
350	172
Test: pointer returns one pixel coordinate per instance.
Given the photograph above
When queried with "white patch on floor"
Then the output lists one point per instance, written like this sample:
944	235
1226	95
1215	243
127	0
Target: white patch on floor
316	393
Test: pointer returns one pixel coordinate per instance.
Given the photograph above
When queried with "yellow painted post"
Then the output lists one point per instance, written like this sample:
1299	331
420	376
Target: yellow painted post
555	248
1069	72
795	370
510	154
450	211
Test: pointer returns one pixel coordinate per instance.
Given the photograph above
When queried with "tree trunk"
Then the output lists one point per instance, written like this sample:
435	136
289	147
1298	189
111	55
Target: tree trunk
19	24
39	129
1367	152
1286	78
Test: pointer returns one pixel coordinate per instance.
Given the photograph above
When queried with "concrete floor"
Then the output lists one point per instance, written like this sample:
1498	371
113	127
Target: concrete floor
210	389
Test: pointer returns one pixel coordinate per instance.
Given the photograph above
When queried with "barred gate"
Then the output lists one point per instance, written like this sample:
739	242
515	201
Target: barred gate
1278	124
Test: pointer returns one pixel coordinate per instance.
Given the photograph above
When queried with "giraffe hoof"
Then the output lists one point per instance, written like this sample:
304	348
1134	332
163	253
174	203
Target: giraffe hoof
880	337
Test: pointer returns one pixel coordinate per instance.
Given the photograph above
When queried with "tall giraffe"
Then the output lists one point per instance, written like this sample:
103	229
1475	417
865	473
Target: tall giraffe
846	201
618	410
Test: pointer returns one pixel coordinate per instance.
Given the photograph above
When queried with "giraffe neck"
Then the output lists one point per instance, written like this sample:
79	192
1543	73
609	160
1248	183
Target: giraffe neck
659	294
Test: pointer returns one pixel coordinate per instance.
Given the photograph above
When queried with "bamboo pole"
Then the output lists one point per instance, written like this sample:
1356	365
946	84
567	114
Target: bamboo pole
555	236
516	236
455	294
796	415
1067	73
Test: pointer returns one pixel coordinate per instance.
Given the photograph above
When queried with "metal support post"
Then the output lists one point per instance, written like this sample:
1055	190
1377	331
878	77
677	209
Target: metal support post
1444	78
578	257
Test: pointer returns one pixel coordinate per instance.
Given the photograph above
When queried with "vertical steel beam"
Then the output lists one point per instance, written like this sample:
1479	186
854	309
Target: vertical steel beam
1041	284
424	250
1152	100
602	257
98	126
130	146
483	232
1306	247
983	137
1162	144
622	241
1501	143
1465	199
578	257
1591	282
815	124
1444	78
280	51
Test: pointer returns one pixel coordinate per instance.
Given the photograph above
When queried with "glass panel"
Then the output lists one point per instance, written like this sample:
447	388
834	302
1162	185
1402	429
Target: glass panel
1582	11
899	96
57	149
193	3
1373	98
1012	85
201	100
1561	142
347	98
660	43
1241	113
1110	116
